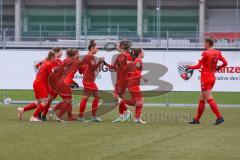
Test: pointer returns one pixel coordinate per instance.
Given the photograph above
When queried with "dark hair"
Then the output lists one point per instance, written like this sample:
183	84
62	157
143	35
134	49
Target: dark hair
210	41
71	52
51	54
125	45
91	44
76	51
135	52
57	49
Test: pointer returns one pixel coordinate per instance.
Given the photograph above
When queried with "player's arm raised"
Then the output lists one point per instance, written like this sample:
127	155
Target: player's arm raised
92	66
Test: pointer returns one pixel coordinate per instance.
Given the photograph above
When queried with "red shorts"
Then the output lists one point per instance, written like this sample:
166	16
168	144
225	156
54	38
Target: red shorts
120	88
90	86
135	93
207	83
40	90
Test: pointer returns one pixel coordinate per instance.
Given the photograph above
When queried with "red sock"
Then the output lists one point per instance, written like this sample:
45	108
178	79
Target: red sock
45	110
70	110
122	108
30	106
82	107
201	107
58	106
63	109
138	111
95	106
214	107
38	110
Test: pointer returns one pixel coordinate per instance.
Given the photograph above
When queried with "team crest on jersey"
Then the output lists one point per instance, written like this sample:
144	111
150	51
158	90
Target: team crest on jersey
183	71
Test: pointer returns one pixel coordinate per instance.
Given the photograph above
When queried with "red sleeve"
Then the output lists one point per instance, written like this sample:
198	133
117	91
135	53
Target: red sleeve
81	68
223	60
49	68
113	66
92	66
200	62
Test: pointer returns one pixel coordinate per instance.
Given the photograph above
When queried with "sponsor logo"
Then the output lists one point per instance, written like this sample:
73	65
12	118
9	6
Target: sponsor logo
230	69
183	71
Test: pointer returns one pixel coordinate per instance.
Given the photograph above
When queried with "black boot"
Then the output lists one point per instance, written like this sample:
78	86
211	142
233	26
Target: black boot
219	121
194	121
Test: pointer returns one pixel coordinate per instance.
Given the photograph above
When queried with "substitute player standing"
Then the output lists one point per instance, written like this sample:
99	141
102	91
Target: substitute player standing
208	65
90	87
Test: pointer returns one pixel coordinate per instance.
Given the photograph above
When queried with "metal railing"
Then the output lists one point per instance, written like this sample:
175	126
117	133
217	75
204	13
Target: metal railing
149	40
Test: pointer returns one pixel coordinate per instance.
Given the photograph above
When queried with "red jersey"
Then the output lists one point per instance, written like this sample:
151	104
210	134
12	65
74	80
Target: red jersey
134	70
45	70
91	66
38	65
208	63
70	67
120	66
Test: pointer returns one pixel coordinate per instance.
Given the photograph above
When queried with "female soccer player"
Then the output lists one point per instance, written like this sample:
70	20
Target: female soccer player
208	65
31	106
120	66
90	87
61	81
134	70
40	85
53	95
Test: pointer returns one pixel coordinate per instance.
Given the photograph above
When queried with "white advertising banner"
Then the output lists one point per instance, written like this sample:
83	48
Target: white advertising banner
17	70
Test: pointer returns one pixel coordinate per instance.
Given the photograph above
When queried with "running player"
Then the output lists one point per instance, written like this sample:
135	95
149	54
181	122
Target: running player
208	65
90	87
61	81
53	95
120	66
40	85
31	106
134	70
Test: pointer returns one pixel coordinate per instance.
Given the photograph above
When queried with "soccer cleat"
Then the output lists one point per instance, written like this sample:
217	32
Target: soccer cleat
118	119
140	121
20	112
194	121
219	121
34	119
96	119
40	116
127	115
44	118
82	120
60	120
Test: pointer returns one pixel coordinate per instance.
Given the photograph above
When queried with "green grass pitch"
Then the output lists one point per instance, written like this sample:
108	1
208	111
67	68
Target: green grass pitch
167	136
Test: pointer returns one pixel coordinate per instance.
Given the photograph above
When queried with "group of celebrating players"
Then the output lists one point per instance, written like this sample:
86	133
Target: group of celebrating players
55	78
